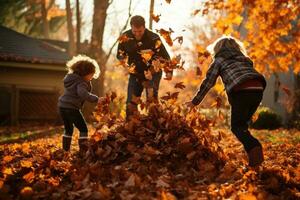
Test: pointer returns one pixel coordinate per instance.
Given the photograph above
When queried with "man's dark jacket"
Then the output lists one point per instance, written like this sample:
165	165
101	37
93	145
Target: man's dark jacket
133	49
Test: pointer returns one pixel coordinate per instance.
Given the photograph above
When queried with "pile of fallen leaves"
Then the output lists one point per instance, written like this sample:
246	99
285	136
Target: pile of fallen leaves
150	153
163	152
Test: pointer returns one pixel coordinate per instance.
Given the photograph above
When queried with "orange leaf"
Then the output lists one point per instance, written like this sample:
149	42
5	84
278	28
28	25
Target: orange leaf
156	18
26	163
7	159
166	35
146	55
157	44
124	38
7	171
29	177
131	69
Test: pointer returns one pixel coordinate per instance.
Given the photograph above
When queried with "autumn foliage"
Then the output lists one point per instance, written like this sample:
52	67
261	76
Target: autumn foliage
164	152
269	30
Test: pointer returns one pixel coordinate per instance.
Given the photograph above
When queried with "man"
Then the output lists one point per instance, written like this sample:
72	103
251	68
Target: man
143	50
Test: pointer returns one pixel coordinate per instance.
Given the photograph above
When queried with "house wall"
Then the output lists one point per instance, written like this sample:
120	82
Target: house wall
30	94
280	106
32	78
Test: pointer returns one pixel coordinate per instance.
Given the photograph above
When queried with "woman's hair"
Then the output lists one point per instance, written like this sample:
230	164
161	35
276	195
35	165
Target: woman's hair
83	65
228	42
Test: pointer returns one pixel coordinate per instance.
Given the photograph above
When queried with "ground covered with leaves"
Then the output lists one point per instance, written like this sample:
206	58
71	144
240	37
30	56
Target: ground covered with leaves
164	153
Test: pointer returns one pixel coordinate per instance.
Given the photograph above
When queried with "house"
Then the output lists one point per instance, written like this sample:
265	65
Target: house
276	94
31	73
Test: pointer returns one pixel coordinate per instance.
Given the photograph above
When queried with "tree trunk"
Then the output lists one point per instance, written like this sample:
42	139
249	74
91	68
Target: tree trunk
151	13
44	19
78	26
96	51
70	29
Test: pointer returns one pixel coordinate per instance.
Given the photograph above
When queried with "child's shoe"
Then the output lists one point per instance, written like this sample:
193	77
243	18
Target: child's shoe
255	156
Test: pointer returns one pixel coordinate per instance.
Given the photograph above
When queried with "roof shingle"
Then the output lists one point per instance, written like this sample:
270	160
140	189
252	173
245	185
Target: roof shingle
18	47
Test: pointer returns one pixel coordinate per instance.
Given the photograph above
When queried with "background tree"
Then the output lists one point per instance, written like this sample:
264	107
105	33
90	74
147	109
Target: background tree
270	30
32	17
72	47
78	25
152	2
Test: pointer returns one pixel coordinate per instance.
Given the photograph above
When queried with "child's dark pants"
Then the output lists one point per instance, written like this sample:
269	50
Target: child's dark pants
70	118
243	105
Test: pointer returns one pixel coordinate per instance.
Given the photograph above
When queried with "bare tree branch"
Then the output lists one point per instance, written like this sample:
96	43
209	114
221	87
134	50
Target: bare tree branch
123	28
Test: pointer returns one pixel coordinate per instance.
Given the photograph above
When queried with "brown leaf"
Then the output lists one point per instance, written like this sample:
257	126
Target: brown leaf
286	90
180	39
180	85
130	181
156	18
196	12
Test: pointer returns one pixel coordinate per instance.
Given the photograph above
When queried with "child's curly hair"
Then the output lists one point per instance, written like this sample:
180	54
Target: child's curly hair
83	65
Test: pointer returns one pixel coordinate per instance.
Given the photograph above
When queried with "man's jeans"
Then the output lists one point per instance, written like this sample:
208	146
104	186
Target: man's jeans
243	105
136	87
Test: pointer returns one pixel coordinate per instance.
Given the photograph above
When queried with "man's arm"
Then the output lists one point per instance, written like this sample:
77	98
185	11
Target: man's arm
160	50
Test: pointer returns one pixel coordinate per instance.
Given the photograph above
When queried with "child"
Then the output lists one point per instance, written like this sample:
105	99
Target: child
244	87
77	88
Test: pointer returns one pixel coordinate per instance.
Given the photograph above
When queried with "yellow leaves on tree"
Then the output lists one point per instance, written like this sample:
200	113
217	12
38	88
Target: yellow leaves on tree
271	28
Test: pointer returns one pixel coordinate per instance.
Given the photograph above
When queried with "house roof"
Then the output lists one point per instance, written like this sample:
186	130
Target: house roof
83	49
17	47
